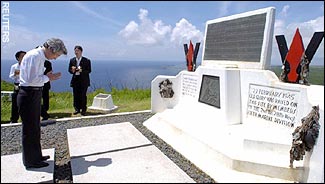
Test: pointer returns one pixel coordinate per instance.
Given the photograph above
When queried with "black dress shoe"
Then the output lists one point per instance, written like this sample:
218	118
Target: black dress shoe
83	113
44	158
37	165
76	112
45	118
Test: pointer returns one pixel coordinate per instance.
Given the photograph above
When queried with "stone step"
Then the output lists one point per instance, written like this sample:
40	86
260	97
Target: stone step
266	146
268	164
226	149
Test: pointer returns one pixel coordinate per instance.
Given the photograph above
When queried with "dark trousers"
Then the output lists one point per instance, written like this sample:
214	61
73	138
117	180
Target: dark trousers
80	96
45	103
29	107
14	107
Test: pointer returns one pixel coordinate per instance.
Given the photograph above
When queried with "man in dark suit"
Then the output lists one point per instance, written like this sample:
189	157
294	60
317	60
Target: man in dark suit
79	67
45	92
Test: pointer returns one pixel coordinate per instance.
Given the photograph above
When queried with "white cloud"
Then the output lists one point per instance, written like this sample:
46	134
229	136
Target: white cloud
284	11
143	14
279	27
88	10
95	14
184	31
306	29
21	38
148	32
223	8
155	33
280	23
309	26
130	30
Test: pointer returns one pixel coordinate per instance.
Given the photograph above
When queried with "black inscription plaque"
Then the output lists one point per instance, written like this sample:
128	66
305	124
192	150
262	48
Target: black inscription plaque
239	39
210	90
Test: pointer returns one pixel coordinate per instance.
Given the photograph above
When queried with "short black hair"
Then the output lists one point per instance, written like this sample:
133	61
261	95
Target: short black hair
78	47
18	54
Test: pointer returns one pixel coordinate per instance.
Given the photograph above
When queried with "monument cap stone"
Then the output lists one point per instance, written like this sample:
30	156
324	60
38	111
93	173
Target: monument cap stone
103	102
242	40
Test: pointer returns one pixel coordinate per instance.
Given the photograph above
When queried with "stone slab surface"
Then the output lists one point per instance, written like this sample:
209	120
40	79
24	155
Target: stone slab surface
139	165
96	139
13	170
119	153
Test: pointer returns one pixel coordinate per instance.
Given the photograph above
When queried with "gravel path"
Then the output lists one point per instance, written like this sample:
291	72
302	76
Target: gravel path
55	136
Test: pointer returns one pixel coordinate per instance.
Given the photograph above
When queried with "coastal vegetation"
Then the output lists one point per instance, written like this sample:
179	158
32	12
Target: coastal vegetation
61	103
316	74
127	100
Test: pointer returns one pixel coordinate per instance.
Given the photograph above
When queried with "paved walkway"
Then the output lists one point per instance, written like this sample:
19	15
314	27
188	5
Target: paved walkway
119	153
13	170
106	153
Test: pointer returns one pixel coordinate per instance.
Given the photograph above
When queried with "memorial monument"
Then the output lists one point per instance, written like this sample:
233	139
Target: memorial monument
103	102
191	55
234	118
296	61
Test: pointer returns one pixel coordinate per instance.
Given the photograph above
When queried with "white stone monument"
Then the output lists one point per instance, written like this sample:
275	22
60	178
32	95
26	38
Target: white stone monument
103	102
233	118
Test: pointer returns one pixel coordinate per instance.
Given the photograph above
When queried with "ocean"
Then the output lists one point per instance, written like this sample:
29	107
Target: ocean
108	74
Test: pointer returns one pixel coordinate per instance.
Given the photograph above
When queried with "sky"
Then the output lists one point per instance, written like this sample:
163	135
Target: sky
144	30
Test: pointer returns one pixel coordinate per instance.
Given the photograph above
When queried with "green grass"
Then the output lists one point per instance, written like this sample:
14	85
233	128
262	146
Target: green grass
316	74
126	99
61	103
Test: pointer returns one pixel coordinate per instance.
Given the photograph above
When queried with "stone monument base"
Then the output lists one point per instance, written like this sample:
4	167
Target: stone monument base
229	153
255	147
103	103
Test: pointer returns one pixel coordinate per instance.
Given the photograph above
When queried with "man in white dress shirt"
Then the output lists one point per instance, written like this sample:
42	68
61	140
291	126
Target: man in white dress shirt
32	79
14	75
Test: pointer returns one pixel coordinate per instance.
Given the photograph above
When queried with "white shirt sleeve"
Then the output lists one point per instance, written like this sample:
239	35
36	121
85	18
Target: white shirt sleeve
12	72
32	70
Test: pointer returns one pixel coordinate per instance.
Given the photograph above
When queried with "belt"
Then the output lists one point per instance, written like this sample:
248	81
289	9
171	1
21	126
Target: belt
31	88
17	84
